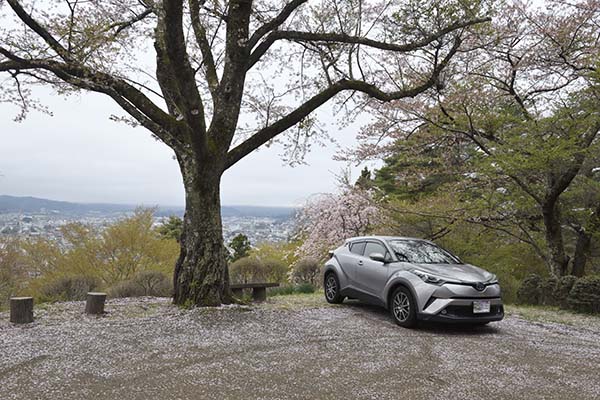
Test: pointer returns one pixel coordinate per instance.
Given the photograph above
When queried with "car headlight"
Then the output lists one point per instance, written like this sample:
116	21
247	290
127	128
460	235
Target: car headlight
428	278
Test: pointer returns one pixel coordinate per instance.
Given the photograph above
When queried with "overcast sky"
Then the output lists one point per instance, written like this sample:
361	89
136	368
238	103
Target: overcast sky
79	155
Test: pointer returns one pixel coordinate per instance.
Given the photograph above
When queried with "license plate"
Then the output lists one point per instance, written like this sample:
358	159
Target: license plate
481	306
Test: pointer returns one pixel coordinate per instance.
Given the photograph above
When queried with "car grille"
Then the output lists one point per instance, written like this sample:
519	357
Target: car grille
467	311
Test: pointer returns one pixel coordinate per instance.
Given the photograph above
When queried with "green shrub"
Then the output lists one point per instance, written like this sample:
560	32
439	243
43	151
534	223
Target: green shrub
292	289
305	288
154	283
585	295
548	292
67	288
307	270
252	269
530	290
509	286
145	283
281	290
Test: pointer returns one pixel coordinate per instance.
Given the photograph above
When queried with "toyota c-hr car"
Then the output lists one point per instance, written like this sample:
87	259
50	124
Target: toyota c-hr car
414	279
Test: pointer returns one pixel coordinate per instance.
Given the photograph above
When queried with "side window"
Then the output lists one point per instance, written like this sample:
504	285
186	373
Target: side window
373	247
358	248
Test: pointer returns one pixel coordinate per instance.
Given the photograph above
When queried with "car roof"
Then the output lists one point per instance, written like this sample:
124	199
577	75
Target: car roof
385	238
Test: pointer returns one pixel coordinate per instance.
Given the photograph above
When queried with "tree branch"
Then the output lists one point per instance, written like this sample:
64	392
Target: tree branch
121	26
41	31
190	102
268	133
264	46
85	78
207	56
275	22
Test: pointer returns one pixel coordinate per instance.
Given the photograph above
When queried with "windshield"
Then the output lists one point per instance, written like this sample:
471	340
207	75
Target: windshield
420	252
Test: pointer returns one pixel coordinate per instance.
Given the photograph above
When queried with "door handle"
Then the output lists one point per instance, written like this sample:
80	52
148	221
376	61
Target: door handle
360	262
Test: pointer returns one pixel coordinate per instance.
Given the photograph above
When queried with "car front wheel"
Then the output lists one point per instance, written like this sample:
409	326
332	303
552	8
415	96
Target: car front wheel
332	289
403	308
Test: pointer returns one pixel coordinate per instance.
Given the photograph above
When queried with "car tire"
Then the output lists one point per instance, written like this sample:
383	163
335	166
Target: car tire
403	308
332	289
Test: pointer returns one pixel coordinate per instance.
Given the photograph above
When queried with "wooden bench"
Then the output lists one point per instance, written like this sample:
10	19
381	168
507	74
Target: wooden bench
259	290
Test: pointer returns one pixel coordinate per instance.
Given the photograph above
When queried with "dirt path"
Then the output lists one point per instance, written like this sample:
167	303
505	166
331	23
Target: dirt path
290	348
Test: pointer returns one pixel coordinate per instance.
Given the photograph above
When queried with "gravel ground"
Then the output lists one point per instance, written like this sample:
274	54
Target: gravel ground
292	347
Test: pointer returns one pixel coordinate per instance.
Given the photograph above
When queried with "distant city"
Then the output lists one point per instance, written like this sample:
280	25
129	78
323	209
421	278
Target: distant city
35	217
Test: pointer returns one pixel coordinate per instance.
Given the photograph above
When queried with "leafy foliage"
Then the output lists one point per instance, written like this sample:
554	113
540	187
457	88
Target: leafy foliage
510	142
145	283
67	288
252	269
307	271
171	229
12	275
240	245
579	294
585	295
303	288
89	258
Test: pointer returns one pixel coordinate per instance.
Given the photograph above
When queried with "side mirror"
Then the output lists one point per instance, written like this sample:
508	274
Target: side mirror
377	257
330	253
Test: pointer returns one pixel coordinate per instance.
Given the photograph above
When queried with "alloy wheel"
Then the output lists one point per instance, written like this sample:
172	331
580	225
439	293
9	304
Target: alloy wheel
401	307
330	288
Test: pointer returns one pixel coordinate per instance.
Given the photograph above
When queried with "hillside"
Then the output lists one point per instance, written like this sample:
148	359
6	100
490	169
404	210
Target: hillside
32	205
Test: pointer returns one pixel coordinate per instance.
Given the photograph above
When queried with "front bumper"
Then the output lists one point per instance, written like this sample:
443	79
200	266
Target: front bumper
454	303
464	314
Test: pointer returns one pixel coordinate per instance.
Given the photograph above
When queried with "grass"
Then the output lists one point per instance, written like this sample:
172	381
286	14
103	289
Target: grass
287	290
551	314
296	301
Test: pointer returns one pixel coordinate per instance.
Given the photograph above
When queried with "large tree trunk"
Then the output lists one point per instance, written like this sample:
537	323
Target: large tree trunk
201	276
559	261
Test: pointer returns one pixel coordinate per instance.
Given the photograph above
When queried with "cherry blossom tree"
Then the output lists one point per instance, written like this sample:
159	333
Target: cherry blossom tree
227	77
327	220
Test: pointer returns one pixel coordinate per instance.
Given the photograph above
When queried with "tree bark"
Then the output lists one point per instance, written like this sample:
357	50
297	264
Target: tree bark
582	249
201	276
559	261
584	242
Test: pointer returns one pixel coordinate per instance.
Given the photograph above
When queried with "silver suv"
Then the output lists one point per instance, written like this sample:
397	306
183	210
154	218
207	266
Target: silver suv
413	278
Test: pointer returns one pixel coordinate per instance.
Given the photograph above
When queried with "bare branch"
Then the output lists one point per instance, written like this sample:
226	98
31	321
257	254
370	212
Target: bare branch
268	133
86	78
275	23
41	31
264	46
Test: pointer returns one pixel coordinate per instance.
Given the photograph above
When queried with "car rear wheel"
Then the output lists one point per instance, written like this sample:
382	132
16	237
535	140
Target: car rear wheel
403	308
332	289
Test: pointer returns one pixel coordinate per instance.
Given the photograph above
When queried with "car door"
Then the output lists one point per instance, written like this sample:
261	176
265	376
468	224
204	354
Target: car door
372	275
351	258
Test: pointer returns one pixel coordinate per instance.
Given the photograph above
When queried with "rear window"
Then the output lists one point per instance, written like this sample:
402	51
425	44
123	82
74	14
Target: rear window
358	248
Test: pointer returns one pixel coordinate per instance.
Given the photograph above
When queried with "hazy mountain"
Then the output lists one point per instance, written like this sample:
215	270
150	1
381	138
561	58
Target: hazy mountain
30	205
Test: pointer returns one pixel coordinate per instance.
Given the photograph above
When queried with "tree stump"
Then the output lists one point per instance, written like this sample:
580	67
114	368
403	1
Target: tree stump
95	303
21	310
